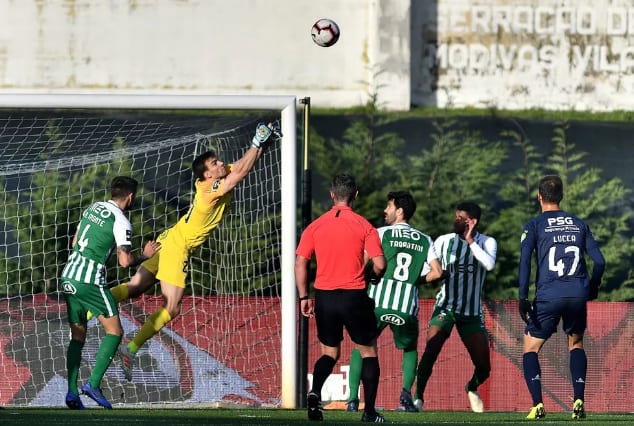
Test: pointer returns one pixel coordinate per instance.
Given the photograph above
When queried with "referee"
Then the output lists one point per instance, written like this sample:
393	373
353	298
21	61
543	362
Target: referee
342	242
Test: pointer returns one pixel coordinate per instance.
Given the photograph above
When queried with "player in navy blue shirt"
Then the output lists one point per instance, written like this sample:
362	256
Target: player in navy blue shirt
560	241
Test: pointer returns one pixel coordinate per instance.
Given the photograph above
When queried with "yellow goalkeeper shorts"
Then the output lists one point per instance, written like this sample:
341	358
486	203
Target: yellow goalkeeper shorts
171	264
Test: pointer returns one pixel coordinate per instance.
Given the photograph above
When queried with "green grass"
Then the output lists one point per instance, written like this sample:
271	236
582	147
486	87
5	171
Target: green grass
172	417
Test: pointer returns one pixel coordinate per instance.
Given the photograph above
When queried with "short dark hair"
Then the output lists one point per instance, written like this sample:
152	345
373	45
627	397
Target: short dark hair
473	210
551	188
403	200
198	165
344	187
122	186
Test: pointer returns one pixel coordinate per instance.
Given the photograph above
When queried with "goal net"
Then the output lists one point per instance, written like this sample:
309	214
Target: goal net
57	156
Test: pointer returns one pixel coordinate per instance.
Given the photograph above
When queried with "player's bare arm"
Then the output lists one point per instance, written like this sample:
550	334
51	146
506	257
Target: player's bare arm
378	265
241	169
435	272
127	259
307	306
243	166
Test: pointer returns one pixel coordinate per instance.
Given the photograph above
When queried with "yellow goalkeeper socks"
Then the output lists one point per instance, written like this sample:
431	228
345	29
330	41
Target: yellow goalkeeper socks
120	292
153	325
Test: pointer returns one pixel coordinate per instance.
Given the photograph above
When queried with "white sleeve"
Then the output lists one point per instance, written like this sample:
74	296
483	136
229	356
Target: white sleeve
431	255
381	231
440	245
485	251
426	269
122	230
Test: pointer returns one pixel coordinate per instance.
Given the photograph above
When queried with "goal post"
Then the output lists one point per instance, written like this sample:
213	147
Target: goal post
283	107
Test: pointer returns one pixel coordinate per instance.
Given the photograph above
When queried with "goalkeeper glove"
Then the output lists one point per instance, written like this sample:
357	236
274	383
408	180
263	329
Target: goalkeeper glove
594	289
276	129
526	310
262	133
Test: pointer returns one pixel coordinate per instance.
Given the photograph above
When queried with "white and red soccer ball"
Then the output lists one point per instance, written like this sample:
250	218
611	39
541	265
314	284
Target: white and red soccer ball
325	32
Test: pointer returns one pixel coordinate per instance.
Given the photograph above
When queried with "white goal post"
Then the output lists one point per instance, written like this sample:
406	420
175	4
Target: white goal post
285	106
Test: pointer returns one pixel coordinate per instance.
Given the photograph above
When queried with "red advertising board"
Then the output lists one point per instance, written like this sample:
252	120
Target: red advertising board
227	350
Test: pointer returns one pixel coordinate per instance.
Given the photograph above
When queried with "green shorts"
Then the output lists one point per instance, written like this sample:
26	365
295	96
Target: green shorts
82	297
466	325
404	327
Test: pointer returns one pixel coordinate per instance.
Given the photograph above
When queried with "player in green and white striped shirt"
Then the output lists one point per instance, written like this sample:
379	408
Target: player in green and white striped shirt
466	256
103	226
410	255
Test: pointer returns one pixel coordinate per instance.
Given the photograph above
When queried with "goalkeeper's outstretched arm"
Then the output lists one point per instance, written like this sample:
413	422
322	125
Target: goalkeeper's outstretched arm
243	166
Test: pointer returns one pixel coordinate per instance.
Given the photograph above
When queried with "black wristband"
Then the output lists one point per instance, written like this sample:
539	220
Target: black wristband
304	298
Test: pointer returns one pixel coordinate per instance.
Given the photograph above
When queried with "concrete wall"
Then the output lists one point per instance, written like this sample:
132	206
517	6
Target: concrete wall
207	46
552	54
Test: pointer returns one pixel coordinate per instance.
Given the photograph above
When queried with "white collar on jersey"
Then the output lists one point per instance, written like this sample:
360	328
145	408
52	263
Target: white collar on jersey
114	203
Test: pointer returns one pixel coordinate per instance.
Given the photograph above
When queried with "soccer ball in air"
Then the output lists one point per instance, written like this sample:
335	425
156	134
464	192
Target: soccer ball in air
325	32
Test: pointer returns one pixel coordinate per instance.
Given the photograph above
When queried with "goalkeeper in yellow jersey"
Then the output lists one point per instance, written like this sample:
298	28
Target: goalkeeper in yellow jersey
215	182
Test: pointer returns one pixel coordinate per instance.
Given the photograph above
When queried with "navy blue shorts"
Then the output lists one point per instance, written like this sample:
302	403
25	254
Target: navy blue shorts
352	309
547	314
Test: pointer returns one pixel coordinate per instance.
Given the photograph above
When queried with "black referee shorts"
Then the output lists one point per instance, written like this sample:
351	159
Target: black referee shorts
352	309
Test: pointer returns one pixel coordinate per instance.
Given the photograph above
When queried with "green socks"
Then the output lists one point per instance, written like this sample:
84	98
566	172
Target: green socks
104	356
73	360
354	374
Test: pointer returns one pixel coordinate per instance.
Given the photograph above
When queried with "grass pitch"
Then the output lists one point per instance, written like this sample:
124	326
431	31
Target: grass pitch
260	416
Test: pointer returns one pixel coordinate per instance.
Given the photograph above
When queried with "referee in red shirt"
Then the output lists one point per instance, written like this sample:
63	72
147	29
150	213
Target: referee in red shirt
342	242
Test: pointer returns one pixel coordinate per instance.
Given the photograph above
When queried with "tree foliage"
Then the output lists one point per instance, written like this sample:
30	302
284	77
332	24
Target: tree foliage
372	157
601	203
452	164
459	164
516	203
44	213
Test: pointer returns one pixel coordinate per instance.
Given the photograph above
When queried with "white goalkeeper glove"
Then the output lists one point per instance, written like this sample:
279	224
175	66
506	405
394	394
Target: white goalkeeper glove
262	133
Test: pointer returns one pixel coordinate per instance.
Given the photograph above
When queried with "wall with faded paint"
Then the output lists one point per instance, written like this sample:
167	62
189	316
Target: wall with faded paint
507	54
207	46
551	54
